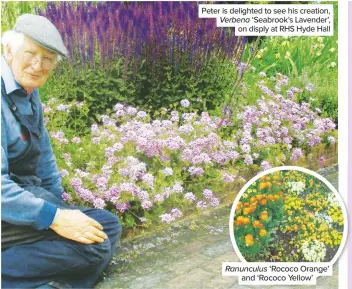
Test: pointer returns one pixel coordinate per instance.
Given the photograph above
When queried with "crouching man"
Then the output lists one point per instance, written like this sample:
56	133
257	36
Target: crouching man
45	242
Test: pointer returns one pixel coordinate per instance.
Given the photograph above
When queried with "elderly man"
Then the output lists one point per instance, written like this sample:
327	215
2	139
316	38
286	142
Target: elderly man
45	242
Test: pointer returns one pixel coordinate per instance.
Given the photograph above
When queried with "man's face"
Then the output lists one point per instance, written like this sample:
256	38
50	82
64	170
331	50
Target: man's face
31	64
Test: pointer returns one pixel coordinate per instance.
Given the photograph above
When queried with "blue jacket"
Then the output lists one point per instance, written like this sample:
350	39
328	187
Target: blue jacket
19	206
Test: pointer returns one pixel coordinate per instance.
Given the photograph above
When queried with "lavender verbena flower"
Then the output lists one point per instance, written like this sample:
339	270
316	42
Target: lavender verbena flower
290	94
188	116
62	107
186	129
262	74
142	114
246	148
167	218
118	106
228	178
176	213
66	197
102	182
331	139
201	158
120	113
296	154
201	204
149	179
122	207
131	110
196	171
109	152
66	156
190	196
248	160
265	165
146	205
143	195
99	203
158	198
185	103
174	116
214	202
296	89
85	194
96	140
64	173
208	194
76	183
177	188
168	171
76	140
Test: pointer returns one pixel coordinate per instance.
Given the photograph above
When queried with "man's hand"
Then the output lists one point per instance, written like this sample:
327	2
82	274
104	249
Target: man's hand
75	225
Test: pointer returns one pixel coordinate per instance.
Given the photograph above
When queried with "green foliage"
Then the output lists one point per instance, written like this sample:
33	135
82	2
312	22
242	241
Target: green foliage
100	88
10	10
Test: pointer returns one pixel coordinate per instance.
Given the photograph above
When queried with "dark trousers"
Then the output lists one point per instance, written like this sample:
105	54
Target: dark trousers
39	257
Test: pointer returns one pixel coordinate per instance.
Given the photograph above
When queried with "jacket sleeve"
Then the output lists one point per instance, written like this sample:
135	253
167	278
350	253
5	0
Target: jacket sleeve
18	206
47	168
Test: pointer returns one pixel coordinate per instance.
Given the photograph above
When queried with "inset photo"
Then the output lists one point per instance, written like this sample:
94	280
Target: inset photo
288	215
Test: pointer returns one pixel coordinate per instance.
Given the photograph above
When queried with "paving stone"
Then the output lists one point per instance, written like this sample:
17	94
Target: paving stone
195	278
194	261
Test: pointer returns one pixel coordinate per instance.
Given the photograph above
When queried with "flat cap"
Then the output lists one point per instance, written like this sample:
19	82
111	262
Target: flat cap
41	30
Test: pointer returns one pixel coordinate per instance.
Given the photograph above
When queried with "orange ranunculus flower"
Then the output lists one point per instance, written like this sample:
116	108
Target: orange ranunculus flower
262	186
257	224
295	227
259	197
246	204
249	240
252	208
253	200
245	221
270	197
268	184
263	216
246	211
280	193
262	232
240	219
262	202
276	197
239	206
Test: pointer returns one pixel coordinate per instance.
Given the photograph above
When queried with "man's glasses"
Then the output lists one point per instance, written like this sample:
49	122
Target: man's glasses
46	62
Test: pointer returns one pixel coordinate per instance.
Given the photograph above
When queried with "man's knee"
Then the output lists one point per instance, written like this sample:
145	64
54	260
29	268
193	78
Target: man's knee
97	253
